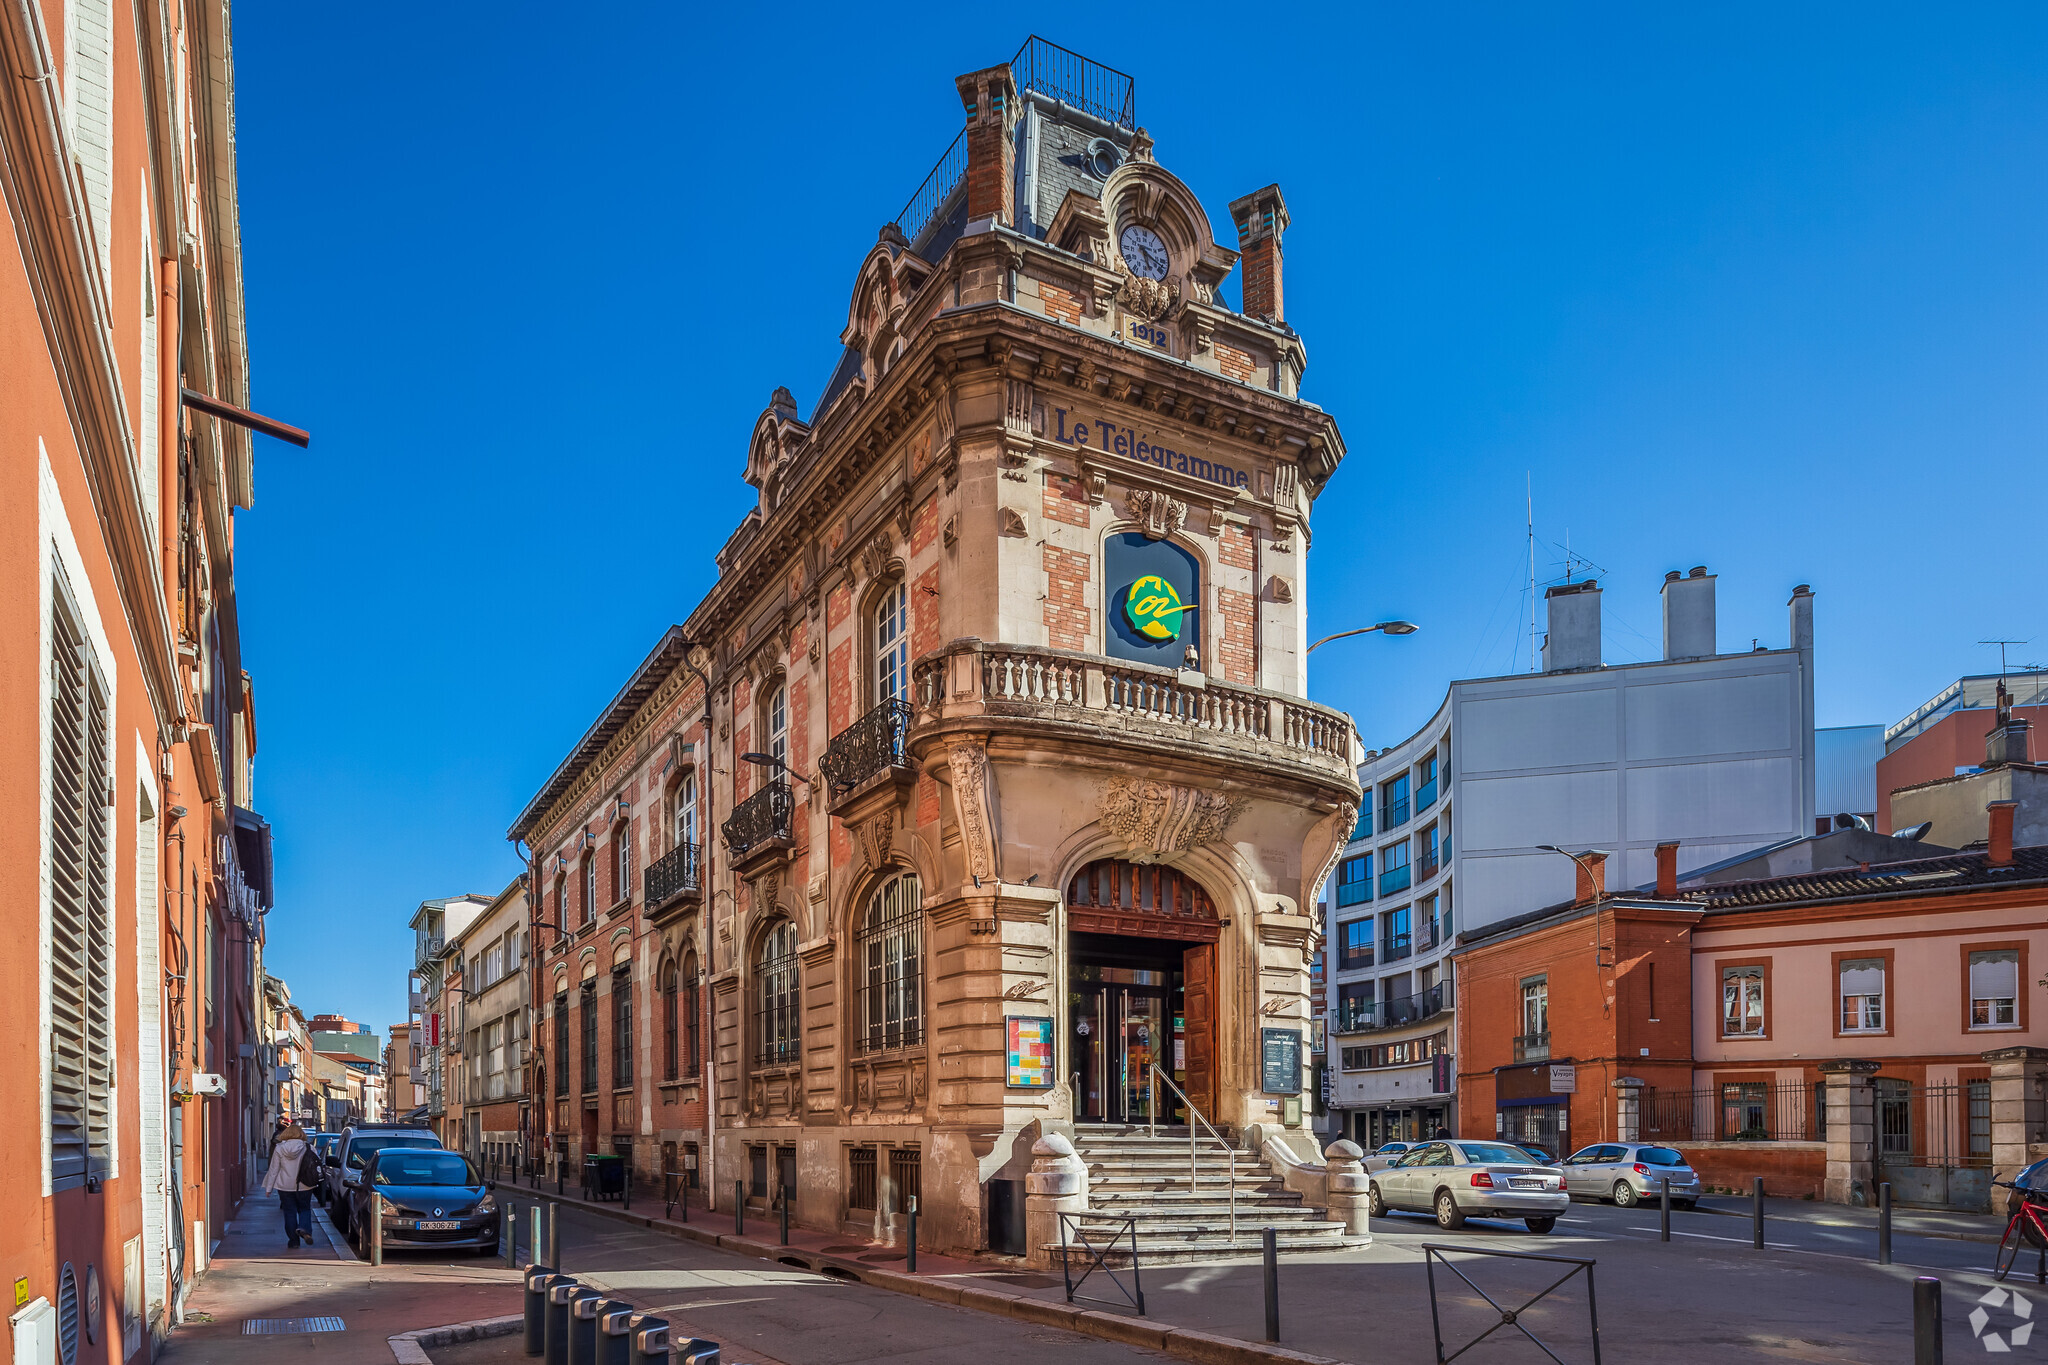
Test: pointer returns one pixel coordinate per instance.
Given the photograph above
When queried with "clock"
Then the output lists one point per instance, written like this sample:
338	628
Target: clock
1143	252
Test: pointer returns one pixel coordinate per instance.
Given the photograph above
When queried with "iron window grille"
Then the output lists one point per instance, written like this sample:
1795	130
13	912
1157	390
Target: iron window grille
892	968
905	1176
622	1026
860	1181
693	1017
561	1046
589	1012
671	1060
775	1019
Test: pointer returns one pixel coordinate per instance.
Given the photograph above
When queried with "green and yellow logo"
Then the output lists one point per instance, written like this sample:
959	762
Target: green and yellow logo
1154	608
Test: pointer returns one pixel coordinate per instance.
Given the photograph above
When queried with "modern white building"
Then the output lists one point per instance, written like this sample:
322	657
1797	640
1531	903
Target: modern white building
1713	751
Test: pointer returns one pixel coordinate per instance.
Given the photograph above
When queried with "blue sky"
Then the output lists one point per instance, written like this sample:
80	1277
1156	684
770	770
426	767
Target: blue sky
1756	287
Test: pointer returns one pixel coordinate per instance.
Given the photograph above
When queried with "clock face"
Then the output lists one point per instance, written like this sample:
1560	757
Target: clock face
1143	252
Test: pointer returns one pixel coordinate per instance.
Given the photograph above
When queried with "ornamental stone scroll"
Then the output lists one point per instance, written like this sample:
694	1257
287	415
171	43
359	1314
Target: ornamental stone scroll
1160	817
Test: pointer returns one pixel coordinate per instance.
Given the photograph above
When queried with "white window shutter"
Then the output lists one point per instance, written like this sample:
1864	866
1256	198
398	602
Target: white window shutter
1995	975
1863	976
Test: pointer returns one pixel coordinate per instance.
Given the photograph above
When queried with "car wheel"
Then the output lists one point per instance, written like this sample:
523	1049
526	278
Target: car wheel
1540	1225
1625	1195
1448	1214
1375	1203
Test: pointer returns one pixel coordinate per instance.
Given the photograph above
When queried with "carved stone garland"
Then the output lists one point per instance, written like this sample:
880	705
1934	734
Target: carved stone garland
1160	817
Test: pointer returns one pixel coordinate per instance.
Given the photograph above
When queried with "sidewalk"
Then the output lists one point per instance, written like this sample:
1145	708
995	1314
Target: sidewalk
1959	1227
254	1277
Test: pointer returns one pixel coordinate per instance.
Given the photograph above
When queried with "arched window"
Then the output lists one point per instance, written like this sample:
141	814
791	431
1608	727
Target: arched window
693	1015
686	810
670	1053
775	721
775	974
622	862
892	968
892	644
589	888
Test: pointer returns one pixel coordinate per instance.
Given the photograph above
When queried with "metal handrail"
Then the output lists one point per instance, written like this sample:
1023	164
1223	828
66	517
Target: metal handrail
1152	1130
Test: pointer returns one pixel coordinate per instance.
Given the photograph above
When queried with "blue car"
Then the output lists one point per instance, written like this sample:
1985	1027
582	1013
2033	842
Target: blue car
432	1198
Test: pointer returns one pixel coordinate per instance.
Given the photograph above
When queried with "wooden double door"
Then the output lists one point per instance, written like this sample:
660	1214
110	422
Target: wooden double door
1136	1003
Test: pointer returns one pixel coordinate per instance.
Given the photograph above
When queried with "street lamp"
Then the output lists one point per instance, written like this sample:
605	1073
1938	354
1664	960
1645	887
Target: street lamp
1389	627
1599	892
771	761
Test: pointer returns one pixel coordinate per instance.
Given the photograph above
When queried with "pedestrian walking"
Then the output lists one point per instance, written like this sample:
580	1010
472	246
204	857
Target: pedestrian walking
292	1172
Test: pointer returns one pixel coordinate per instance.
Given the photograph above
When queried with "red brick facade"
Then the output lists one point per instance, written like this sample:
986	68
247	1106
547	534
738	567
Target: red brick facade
1066	599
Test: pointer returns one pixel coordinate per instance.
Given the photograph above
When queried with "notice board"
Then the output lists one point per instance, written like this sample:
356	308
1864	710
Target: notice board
1280	1061
1028	1065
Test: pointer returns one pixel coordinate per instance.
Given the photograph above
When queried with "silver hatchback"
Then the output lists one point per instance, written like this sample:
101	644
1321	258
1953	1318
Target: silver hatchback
1457	1180
1630	1172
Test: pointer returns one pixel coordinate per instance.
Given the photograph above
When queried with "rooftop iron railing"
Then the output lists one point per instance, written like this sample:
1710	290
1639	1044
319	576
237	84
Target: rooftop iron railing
1091	87
937	188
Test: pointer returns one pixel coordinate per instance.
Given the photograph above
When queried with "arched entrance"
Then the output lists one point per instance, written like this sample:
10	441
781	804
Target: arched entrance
1141	980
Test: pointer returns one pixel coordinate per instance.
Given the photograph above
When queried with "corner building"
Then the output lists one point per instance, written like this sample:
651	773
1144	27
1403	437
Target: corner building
1005	789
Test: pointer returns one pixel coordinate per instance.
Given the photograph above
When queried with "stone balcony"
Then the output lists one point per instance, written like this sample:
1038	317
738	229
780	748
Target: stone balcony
970	683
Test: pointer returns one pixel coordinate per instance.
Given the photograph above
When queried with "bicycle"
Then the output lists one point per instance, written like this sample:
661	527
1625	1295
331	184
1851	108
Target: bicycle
2029	1224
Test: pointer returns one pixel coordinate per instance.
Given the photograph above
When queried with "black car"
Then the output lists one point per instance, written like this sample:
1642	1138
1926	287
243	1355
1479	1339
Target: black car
344	1168
432	1198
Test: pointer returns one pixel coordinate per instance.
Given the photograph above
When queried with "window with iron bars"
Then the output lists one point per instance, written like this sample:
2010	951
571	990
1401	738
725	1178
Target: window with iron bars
778	995
860	1179
904	1176
892	968
561	1046
622	1026
589	1012
693	1019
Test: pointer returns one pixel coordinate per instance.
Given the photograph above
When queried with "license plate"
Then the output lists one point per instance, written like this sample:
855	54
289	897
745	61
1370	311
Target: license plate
1527	1184
436	1227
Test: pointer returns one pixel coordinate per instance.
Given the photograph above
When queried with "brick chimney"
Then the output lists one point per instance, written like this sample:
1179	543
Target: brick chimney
1592	877
1261	218
2000	852
1667	871
990	97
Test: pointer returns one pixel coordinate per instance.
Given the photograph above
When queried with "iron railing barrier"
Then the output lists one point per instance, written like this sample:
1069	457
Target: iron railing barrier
1433	1254
868	746
1133	1293
1194	1117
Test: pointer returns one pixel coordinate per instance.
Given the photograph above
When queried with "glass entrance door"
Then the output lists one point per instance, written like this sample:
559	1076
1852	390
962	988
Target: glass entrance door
1124	1018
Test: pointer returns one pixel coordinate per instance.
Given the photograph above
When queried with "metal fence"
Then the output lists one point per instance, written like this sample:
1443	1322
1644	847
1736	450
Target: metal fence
1737	1111
1051	70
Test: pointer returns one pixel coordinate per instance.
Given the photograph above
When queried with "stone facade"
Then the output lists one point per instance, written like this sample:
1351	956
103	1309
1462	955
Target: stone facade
951	793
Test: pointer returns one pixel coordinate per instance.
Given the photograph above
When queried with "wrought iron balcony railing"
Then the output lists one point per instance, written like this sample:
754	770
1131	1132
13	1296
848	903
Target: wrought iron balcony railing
761	818
1533	1047
675	873
870	745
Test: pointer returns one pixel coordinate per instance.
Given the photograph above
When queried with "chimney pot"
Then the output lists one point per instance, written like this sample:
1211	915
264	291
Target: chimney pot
1592	877
1667	871
1999	854
1698	571
1673	576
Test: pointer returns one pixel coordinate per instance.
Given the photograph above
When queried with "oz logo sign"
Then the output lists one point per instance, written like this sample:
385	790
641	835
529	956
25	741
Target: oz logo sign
1153	608
2002	1342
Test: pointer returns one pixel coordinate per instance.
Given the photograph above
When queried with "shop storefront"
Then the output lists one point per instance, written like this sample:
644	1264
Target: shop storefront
1532	1104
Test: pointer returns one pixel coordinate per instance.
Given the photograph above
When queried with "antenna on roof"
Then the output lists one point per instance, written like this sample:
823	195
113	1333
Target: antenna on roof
2001	652
1529	492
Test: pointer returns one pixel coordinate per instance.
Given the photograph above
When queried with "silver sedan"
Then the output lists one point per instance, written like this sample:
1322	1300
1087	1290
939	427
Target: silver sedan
1457	1180
1388	1154
1630	1172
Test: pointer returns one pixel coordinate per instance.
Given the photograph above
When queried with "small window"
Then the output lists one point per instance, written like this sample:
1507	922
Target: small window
1862	989
777	716
1104	156
1742	1002
622	862
1354	947
1994	988
686	810
589	889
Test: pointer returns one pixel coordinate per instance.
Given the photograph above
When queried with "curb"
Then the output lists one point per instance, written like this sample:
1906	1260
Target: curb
1185	1343
410	1348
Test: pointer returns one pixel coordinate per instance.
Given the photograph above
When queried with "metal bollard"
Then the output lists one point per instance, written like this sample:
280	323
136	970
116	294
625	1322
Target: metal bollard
910	1248
785	1217
629	1185
1664	1211
1270	1237
696	1351
376	1208
1884	1223
1756	1213
583	1326
561	1290
650	1341
1926	1320
508	1234
537	1277
739	1208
